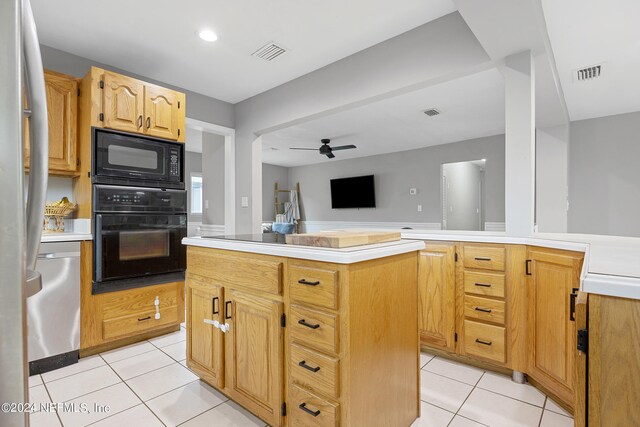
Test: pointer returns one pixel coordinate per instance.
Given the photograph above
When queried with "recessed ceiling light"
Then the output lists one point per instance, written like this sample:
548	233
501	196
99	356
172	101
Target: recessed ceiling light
208	35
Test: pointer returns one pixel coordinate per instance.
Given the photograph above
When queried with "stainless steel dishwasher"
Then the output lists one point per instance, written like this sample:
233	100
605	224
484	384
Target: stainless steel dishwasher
53	319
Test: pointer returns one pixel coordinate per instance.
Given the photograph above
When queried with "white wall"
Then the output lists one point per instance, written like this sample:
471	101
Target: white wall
395	174
552	146
435	52
604	175
212	178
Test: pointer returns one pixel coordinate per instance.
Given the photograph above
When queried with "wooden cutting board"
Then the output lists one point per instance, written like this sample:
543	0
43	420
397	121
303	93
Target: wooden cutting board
342	238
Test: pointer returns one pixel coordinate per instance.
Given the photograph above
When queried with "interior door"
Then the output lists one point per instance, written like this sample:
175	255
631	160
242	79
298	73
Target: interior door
436	293
552	332
205	342
161	107
254	354
122	103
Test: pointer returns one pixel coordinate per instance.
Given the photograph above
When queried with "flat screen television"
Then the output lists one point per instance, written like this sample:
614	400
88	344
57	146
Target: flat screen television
354	192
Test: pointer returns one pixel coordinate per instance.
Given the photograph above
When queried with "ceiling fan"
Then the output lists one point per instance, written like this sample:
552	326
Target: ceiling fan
326	150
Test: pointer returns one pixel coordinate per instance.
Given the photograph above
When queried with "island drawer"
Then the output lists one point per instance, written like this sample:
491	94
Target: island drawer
484	340
314	371
484	257
237	269
485	309
313	285
314	328
308	410
488	284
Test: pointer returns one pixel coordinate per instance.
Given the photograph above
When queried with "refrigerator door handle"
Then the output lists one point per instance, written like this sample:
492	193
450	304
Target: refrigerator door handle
38	132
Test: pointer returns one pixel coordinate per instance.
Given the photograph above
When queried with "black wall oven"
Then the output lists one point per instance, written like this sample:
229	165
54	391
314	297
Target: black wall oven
122	158
138	236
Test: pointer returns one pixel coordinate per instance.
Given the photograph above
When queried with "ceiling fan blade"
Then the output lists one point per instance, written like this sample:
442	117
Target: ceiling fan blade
295	148
330	155
344	147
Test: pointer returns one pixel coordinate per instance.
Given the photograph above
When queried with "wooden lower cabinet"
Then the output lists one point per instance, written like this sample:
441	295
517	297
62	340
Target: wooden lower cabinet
555	277
436	293
326	351
254	354
608	376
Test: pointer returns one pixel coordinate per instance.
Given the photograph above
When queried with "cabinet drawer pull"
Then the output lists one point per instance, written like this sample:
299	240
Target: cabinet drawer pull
484	310
482	259
483	285
303	406
214	310
307	367
308	325
479	341
141	319
306	282
227	310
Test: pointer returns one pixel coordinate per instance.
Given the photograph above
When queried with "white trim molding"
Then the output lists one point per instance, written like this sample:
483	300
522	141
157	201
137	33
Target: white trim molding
211	230
494	226
313	226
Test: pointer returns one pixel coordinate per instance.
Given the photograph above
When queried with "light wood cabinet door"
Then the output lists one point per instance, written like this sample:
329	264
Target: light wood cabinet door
205	342
254	354
122	102
436	293
552	333
162	108
62	108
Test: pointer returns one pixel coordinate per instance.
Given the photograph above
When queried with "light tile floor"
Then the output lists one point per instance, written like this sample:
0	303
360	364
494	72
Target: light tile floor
148	384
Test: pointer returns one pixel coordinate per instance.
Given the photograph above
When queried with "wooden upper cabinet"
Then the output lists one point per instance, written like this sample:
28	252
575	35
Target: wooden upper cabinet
162	108
254	354
205	342
436	293
555	276
62	107
122	102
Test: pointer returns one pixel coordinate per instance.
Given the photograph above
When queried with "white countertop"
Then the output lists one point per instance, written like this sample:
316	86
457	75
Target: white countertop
339	256
65	237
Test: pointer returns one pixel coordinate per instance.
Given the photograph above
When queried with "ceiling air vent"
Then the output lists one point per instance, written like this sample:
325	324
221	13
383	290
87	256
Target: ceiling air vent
431	112
269	52
588	73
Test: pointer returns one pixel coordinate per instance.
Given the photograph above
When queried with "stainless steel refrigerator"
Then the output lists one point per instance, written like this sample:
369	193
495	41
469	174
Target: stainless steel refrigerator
21	73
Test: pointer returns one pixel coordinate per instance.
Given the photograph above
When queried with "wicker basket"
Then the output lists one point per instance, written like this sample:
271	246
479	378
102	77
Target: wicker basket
57	212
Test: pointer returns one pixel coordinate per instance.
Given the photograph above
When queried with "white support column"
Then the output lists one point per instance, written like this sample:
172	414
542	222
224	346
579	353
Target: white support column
520	144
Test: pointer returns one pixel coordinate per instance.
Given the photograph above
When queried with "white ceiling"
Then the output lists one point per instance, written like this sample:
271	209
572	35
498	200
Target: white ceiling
157	38
589	32
471	107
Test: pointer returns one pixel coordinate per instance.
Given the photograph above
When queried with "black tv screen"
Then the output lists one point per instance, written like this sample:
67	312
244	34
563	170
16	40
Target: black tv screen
354	192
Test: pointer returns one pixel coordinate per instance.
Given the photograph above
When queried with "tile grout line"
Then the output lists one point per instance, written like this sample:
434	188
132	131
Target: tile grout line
210	409
71	375
542	413
465	401
134	393
51	399
128	357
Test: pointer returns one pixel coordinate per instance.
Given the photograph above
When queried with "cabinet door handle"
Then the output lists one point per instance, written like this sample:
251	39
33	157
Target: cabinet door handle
148	122
227	310
479	341
484	310
213	306
482	259
306	282
141	319
303	406
483	285
527	267
140	121
572	304
307	367
308	325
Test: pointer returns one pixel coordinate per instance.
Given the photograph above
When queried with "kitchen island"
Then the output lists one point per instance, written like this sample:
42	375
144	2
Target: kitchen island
306	336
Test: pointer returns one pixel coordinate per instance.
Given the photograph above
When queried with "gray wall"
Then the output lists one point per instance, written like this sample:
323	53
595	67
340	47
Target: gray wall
395	174
604	175
270	175
436	51
199	106
213	178
552	145
192	163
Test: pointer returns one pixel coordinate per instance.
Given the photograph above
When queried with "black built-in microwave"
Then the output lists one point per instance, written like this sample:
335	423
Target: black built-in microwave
121	158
